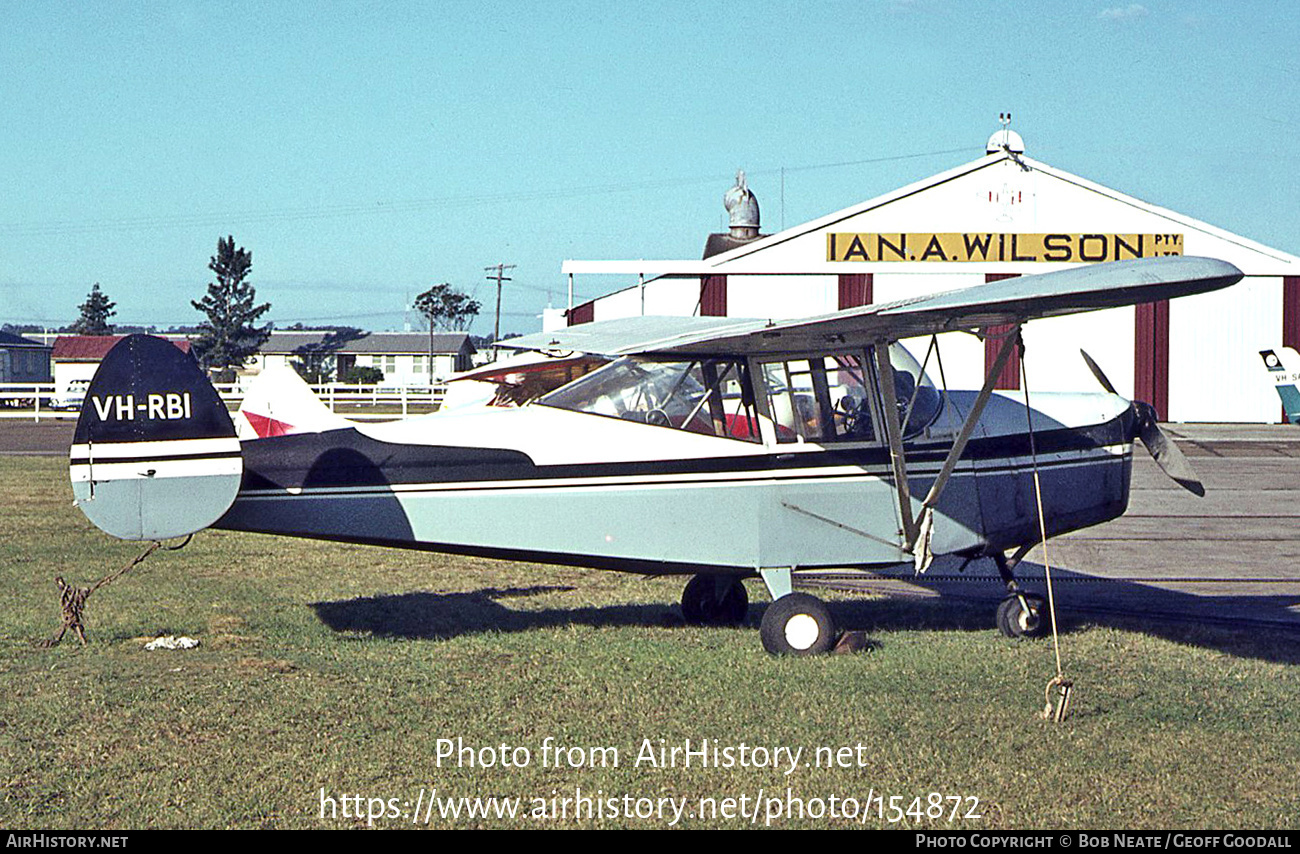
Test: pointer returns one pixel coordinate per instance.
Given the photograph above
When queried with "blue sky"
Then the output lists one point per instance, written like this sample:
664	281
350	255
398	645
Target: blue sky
365	151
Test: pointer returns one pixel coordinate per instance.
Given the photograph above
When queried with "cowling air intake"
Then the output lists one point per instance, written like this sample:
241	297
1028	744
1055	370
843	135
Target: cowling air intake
154	455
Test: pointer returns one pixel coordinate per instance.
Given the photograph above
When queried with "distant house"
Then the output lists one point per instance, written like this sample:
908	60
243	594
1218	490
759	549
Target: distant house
405	358
23	360
77	357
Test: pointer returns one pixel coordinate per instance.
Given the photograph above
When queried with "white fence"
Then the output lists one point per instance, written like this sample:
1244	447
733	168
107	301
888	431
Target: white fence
41	401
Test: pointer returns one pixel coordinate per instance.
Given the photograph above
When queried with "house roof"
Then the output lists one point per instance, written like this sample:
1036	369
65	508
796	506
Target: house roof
290	342
8	339
286	343
92	348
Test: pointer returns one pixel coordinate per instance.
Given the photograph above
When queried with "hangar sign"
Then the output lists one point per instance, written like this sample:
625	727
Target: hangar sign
988	246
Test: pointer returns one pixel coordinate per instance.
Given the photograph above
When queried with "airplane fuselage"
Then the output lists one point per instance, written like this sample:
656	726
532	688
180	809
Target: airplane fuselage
551	485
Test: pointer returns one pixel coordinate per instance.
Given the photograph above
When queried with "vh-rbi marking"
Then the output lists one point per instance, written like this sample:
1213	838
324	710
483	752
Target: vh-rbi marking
155	407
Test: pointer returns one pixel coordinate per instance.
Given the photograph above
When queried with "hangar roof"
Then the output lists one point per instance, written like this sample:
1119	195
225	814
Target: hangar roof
1090	204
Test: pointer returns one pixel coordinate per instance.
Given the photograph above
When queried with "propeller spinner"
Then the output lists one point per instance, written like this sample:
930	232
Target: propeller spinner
1158	443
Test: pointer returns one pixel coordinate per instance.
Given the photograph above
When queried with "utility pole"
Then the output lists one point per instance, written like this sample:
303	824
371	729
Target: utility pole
500	277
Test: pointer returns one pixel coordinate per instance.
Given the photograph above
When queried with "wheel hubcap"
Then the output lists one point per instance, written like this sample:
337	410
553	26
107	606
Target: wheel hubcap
801	631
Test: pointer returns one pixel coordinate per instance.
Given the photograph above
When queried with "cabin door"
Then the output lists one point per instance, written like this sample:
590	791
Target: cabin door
831	501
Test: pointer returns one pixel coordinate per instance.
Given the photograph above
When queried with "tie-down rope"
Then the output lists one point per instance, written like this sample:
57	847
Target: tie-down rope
72	600
1059	683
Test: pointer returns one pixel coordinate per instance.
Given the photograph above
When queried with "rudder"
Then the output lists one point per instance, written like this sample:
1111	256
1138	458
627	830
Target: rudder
154	454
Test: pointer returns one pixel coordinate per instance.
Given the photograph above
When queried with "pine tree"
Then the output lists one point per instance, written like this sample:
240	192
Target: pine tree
229	337
95	312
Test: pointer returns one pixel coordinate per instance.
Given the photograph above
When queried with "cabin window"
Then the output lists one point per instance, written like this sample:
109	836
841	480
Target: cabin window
706	396
820	399
829	398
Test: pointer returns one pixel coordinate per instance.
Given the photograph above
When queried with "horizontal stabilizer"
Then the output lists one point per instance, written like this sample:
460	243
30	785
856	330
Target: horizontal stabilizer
154	454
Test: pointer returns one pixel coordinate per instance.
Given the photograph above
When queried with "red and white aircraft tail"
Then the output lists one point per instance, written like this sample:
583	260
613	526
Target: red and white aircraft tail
280	402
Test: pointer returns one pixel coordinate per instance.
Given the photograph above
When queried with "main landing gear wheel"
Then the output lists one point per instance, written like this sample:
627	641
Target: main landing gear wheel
798	624
710	600
1016	622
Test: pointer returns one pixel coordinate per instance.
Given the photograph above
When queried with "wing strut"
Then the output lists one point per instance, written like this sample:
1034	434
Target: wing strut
916	530
894	434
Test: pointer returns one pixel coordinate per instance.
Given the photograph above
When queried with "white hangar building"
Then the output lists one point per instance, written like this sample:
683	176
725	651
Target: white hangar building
1005	214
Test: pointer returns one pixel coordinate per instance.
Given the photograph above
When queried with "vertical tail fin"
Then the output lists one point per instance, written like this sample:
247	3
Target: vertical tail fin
1283	365
154	454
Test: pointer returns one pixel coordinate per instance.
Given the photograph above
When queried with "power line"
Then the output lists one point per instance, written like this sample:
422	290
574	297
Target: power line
195	321
855	162
354	209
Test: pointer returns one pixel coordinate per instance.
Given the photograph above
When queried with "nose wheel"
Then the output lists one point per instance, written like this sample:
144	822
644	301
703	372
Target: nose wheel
1023	615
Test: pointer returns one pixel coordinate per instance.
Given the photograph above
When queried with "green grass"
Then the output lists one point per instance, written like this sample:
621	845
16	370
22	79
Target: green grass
340	667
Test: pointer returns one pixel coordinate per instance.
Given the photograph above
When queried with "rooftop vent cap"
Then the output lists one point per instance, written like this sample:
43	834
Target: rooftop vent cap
742	206
1003	140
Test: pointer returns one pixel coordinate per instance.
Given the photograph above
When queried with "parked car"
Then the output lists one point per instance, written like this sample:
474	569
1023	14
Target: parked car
71	396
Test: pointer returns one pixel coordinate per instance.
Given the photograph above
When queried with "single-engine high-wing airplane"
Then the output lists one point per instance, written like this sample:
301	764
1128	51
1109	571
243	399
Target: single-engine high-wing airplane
1283	366
712	447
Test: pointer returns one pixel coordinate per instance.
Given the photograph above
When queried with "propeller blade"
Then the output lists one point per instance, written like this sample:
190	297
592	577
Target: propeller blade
1162	448
1166	454
1098	373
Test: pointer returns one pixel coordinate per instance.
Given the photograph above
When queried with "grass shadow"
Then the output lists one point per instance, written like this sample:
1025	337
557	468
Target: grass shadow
442	616
1212	622
1250	624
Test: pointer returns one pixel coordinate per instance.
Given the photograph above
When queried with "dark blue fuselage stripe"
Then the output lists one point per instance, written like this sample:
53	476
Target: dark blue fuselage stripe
590	483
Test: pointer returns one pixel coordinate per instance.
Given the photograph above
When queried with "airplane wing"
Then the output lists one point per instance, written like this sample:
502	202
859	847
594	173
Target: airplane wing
1079	289
522	363
517	379
641	334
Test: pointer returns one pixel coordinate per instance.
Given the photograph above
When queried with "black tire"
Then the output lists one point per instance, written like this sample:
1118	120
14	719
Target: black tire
1014	622
798	624
712	601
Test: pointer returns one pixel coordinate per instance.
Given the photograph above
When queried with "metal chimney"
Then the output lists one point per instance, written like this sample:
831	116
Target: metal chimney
743	208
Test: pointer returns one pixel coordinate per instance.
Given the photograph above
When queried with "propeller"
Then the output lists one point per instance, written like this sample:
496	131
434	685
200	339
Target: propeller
1162	448
1098	372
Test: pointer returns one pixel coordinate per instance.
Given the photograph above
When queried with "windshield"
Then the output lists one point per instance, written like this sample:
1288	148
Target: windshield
919	401
706	396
